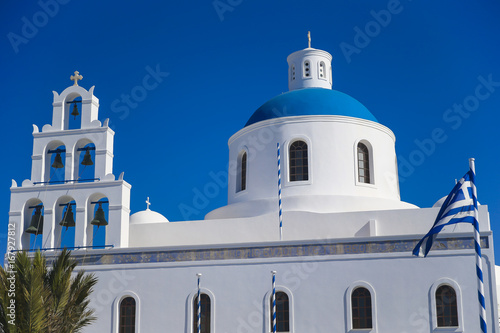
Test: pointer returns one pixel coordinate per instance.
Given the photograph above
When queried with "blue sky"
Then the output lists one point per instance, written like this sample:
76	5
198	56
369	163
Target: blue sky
428	71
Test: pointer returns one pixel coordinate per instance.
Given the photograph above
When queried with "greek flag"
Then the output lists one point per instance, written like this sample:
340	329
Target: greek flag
459	206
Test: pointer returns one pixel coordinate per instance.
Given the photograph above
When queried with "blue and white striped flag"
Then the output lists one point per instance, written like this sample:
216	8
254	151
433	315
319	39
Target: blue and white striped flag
459	206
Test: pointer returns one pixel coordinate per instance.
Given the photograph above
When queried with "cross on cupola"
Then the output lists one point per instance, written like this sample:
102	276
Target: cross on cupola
76	77
148	203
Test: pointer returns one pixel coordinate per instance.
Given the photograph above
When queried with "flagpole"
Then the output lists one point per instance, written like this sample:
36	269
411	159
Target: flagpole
274	302
199	305
477	246
279	193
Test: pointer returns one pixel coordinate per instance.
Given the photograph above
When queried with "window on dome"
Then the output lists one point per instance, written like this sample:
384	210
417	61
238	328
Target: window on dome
321	68
363	164
446	307
282	312
299	168
127	315
242	172
307	68
205	314
361	302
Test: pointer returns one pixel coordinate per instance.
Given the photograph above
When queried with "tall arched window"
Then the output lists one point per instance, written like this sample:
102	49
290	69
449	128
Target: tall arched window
282	312
299	167
363	164
127	315
446	307
361	302
242	172
205	314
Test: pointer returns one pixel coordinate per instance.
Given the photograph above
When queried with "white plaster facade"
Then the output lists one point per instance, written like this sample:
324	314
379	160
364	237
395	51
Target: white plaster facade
339	233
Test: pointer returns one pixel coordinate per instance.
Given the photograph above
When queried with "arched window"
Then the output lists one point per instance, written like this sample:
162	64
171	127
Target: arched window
321	69
127	315
307	68
282	312
55	167
363	164
85	163
361	302
242	172
205	314
68	222
73	112
99	220
299	169
446	307
33	223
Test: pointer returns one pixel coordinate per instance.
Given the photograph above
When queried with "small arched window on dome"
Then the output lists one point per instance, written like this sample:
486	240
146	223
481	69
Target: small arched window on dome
322	70
361	303
298	161
205	311
241	180
282	312
307	69
446	307
363	164
127	315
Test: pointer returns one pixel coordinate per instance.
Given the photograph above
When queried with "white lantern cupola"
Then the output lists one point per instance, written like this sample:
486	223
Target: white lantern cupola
309	68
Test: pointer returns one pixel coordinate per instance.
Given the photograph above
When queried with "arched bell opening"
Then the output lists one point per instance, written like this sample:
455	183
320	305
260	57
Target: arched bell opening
98	217
65	213
84	161
55	163
33	216
73	112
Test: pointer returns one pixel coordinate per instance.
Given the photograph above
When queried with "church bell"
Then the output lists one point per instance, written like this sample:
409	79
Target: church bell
36	226
99	218
68	218
58	164
87	159
75	111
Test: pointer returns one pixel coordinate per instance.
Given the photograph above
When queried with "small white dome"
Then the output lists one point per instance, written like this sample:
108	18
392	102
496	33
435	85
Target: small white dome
147	216
440	202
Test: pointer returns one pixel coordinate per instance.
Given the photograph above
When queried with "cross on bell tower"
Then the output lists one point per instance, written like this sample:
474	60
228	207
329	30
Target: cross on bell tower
76	77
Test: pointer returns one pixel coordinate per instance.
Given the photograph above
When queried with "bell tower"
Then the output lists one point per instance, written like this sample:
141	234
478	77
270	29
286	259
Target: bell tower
72	196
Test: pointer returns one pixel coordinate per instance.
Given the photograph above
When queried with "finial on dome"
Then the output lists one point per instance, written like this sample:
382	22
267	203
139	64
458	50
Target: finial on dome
148	203
309	38
76	77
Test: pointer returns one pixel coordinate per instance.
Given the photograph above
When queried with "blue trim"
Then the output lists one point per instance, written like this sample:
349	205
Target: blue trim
267	252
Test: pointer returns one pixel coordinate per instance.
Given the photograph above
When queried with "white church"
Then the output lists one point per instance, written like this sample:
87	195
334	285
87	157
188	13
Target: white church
334	233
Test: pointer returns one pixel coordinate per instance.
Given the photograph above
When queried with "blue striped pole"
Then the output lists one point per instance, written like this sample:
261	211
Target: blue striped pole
274	301
477	246
199	304
279	193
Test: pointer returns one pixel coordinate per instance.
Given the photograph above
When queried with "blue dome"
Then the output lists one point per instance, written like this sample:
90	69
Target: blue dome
309	102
